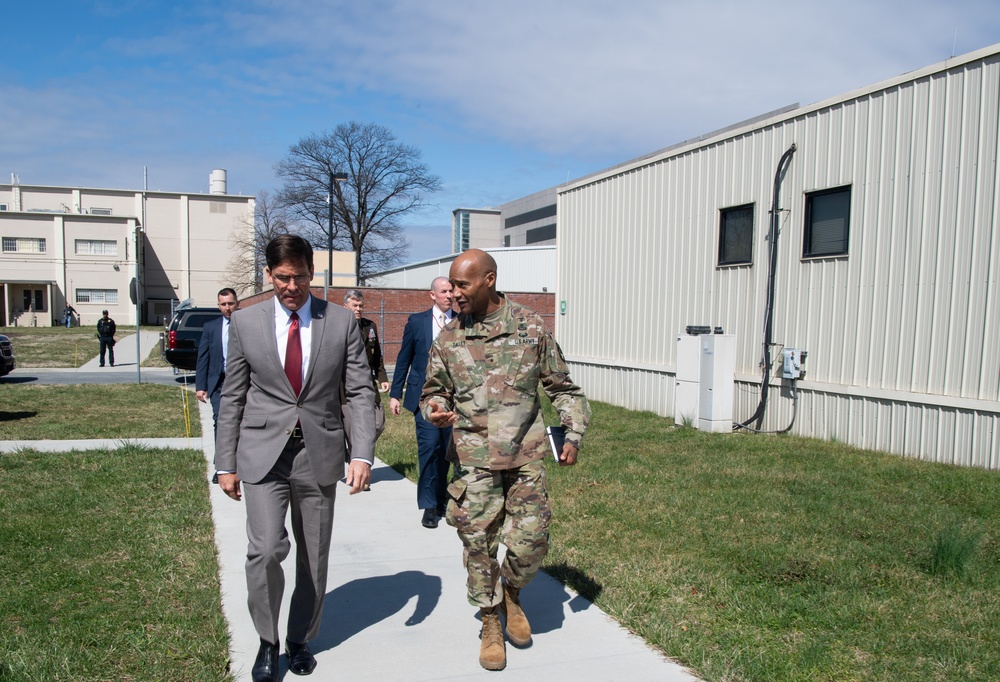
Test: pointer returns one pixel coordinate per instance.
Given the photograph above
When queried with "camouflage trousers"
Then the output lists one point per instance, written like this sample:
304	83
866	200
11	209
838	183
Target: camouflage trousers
489	507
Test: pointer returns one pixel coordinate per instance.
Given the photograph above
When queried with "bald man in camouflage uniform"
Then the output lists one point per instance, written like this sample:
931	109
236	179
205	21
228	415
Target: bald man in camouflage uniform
483	376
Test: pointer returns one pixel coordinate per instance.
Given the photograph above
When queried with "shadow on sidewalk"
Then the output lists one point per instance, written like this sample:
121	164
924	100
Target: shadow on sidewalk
355	606
385	473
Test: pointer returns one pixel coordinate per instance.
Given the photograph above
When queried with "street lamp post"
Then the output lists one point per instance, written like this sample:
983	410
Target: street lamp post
334	177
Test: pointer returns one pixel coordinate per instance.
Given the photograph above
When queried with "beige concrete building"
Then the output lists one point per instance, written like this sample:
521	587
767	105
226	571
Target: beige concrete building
102	249
475	228
343	269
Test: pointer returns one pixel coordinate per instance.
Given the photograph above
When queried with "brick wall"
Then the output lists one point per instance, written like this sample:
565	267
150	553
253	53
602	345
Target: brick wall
389	308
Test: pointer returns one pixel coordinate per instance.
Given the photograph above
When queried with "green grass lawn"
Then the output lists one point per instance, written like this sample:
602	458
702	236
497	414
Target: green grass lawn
775	558
40	347
108	568
50	412
742	557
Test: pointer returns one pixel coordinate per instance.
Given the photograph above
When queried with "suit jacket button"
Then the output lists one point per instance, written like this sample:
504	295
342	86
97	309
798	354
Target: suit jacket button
288	432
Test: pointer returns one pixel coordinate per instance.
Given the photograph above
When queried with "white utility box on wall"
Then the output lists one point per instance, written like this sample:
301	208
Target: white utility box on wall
687	379
718	370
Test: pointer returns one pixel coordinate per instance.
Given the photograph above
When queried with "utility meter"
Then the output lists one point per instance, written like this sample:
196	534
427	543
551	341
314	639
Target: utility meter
791	365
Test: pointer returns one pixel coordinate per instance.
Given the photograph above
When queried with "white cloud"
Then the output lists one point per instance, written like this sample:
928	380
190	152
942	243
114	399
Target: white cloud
504	98
561	76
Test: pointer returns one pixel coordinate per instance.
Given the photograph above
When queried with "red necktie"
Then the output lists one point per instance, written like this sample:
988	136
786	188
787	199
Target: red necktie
293	355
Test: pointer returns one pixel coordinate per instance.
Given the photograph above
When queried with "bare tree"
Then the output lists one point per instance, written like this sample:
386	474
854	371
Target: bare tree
385	181
246	265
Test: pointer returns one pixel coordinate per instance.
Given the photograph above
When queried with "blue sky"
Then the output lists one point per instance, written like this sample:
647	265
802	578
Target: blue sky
503	99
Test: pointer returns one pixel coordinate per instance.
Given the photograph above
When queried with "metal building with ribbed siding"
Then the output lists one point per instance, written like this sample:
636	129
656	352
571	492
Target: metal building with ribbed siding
887	261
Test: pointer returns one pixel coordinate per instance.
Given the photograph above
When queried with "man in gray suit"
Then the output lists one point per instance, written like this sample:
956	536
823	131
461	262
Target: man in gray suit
281	442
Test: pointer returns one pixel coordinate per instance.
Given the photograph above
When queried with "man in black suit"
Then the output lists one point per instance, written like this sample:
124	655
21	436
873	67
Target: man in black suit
411	367
211	369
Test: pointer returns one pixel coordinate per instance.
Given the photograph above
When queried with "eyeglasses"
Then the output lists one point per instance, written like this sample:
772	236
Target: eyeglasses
287	279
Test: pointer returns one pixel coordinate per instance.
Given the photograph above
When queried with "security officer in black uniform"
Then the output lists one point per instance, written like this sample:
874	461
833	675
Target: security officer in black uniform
106	329
354	301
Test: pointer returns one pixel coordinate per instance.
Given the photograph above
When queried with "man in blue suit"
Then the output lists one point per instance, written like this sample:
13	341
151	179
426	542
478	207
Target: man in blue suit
210	371
411	368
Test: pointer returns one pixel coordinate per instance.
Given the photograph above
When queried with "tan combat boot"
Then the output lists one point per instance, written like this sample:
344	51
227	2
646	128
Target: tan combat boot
518	629
492	652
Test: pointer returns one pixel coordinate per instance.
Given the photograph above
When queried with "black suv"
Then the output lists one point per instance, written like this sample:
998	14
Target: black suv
7	363
179	343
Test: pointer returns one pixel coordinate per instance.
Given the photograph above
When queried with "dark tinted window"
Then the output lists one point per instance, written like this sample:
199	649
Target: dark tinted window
540	234
828	222
736	235
198	320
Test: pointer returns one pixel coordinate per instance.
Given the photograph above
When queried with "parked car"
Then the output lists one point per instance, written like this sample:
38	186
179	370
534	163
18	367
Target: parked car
7	362
179	342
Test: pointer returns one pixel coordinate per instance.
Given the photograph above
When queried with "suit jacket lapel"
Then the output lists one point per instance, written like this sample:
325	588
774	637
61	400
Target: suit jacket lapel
318	326
267	332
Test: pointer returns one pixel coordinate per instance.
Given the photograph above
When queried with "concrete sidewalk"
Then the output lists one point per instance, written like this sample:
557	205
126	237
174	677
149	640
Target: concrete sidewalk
396	606
125	353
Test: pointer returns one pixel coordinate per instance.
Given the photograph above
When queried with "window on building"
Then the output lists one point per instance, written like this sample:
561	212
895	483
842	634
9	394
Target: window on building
506	240
97	247
461	232
24	244
530	216
540	234
109	296
736	235
216	207
828	222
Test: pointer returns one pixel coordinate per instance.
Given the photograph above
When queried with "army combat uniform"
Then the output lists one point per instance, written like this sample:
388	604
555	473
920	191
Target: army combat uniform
488	372
369	332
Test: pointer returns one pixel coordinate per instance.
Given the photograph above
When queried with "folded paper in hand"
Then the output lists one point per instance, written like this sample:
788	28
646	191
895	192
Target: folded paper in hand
557	436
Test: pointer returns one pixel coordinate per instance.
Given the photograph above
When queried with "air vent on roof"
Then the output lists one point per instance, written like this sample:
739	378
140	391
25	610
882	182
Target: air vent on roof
100	211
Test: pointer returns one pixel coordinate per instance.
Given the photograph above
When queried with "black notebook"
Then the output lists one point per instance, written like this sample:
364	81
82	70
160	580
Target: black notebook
557	436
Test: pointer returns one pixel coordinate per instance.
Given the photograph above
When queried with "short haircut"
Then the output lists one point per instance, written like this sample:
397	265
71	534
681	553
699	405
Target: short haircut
228	291
288	247
355	294
442	278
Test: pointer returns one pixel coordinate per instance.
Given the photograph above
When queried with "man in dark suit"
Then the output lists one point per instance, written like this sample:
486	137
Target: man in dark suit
411	367
210	371
281	443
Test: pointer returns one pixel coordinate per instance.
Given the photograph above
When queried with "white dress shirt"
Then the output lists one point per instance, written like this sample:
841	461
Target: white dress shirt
282	323
225	342
441	319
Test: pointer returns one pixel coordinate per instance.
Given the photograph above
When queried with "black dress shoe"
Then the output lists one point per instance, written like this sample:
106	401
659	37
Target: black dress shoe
441	511
300	659
265	668
430	519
